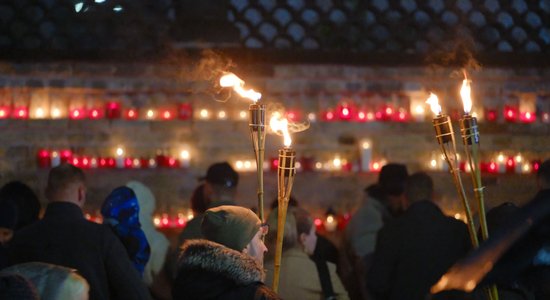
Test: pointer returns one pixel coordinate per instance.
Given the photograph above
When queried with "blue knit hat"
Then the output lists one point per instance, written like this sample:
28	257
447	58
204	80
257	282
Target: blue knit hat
8	214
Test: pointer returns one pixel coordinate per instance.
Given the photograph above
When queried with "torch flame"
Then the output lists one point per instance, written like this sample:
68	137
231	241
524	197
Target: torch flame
465	92
231	80
433	101
279	124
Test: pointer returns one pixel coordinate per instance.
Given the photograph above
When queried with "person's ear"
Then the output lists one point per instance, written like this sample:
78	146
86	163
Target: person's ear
81	194
303	238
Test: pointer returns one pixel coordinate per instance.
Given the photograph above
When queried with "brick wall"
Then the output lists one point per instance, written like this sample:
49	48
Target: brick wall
303	87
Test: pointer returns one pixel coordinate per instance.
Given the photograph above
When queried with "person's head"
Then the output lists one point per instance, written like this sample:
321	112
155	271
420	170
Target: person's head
26	201
292	202
147	204
199	203
66	183
419	187
52	281
121	207
220	182
8	220
305	229
237	228
543	175
391	185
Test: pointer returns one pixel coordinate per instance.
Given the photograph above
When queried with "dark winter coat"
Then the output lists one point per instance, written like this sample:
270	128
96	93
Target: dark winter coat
208	270
64	237
414	250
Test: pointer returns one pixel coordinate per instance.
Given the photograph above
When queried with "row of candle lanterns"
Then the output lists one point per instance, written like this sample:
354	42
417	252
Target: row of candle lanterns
344	111
501	163
47	158
387	113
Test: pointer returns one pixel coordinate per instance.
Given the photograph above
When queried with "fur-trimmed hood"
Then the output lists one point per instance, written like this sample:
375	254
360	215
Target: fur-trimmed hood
213	257
210	269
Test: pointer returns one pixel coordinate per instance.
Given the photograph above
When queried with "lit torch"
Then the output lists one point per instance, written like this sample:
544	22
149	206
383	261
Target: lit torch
257	129
445	137
470	138
285	173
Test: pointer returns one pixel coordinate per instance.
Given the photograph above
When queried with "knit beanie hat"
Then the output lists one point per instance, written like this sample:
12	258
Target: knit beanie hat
231	226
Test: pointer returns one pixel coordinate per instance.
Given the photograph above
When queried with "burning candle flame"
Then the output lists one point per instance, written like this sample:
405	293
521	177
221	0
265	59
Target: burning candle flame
280	124
433	101
231	80
465	92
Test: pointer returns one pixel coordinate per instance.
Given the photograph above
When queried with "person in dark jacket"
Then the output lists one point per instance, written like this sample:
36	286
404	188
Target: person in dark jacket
26	201
229	264
415	249
64	237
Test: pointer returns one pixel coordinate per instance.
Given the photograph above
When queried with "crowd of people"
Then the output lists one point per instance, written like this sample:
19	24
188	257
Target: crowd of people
397	245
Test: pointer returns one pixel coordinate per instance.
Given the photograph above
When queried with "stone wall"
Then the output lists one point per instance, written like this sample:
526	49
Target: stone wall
303	88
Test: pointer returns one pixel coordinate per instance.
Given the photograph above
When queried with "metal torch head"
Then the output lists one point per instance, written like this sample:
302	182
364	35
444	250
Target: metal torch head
443	129
257	116
469	130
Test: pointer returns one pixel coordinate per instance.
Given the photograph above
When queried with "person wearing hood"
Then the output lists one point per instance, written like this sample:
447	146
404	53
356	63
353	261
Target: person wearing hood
153	275
229	263
120	212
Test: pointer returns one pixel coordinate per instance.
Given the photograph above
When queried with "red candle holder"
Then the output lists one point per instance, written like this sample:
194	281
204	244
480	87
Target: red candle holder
128	163
293	115
113	110
77	114
510	165
273	164
172	162
167	114
44	158
85	162
95	114
75	161
65	156
345	111
4	112
328	116
21	112
492	167
491	115
510	113
385	113
527	117
361	116
401	116
185	111
131	114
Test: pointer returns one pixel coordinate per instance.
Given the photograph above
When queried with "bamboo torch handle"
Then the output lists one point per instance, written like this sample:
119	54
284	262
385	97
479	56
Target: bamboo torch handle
281	219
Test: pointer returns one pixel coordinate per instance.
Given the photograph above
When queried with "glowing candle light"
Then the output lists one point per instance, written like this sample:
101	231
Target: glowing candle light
366	155
55	159
56	113
119	157
330	223
204	114
185	158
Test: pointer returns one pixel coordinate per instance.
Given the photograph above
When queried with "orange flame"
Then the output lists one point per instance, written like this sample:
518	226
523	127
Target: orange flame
465	93
231	80
279	124
433	101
